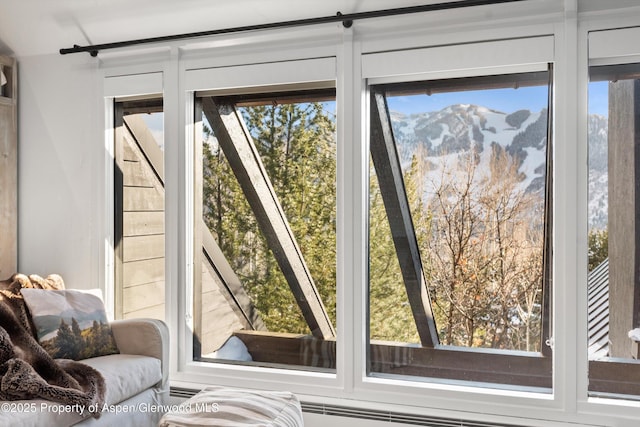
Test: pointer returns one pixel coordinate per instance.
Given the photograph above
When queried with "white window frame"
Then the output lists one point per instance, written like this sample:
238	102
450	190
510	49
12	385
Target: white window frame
255	77
503	56
604	39
118	87
350	381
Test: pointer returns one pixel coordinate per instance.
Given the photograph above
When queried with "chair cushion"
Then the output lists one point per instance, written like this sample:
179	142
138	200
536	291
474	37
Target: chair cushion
126	375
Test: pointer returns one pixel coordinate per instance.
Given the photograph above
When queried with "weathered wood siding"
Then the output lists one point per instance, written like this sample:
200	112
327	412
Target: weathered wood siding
218	319
142	284
8	172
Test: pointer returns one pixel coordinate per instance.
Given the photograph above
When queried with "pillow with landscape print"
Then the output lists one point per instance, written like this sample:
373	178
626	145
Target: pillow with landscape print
70	324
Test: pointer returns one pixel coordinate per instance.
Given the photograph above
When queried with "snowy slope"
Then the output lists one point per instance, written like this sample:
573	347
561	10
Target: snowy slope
443	136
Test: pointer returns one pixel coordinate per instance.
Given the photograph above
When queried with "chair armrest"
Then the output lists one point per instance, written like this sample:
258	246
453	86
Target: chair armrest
144	337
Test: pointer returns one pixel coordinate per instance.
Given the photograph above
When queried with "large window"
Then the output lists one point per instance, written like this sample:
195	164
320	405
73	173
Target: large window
459	229
393	223
265	232
139	209
614	207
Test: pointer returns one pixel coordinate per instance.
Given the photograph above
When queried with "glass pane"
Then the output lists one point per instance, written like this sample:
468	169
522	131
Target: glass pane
613	207
273	216
139	227
473	161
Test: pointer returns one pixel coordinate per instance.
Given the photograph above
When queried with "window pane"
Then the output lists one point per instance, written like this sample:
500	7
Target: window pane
613	206
269	206
457	234
139	228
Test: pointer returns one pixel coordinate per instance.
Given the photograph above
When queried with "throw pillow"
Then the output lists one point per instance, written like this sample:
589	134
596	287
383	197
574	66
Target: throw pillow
70	324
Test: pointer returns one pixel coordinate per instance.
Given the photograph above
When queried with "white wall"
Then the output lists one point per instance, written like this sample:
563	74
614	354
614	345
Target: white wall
58	168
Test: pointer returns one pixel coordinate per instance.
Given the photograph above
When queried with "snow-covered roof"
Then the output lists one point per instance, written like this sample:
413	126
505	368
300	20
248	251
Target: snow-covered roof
598	316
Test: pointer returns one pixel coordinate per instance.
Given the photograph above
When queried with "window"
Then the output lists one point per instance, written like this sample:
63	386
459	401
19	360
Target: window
614	204
139	209
459	229
265	230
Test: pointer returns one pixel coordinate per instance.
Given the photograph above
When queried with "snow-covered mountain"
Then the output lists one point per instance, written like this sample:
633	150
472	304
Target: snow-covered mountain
457	129
598	174
462	128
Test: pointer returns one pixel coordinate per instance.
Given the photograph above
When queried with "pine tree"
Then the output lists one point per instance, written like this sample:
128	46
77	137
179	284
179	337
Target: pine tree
598	241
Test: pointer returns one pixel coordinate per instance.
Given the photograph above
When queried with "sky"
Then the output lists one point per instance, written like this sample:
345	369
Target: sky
505	100
155	123
599	98
532	98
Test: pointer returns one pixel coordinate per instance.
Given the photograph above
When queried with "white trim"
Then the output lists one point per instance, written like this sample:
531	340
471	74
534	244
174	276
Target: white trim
345	337
602	40
260	77
582	81
619	43
188	227
175	177
272	76
134	85
108	213
473	59
117	87
564	309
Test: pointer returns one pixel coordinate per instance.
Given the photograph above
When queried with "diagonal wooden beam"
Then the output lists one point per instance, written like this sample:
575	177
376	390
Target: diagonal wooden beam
389	173
231	286
243	157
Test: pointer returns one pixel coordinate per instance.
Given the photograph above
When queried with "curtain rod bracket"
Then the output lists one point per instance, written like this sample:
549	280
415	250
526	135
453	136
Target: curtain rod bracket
347	23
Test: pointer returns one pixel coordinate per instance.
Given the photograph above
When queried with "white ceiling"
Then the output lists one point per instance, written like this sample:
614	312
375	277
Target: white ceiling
38	27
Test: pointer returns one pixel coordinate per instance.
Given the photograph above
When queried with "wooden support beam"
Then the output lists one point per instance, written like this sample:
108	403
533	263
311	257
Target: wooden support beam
624	215
231	288
244	159
289	349
148	145
389	173
465	364
614	376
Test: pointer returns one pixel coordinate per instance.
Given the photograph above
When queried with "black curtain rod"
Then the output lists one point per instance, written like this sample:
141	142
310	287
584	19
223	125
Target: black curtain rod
346	19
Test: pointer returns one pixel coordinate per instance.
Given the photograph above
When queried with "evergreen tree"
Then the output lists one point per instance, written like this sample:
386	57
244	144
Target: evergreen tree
598	241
